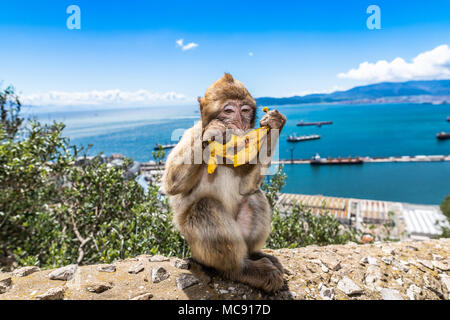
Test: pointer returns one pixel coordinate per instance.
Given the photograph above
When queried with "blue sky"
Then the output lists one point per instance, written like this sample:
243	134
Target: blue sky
277	48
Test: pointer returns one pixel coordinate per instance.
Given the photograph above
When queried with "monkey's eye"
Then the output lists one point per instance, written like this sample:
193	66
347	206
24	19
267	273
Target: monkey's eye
245	109
228	109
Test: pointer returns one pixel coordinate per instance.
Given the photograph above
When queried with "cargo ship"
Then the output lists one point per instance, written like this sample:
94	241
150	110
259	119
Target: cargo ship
294	138
448	119
443	135
164	146
317	160
301	123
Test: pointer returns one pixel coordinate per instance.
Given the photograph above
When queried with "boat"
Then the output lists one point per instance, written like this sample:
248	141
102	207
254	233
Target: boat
443	135
163	146
448	119
317	160
294	138
301	123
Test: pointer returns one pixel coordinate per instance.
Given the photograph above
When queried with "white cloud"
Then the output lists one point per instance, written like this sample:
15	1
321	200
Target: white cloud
250	54
433	64
316	91
104	98
184	47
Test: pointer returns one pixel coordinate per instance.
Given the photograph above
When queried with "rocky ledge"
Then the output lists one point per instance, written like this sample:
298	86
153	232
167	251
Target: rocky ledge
402	270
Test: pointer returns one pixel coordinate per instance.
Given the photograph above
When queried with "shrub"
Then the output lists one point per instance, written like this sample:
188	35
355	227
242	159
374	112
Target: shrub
445	206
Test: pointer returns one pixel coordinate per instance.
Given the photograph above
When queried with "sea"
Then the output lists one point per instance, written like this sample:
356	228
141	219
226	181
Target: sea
374	130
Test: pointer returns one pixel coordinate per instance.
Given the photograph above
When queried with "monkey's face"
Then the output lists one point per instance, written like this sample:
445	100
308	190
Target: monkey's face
237	115
228	101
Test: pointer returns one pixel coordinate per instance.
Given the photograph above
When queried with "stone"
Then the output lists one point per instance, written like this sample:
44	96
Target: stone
186	280
326	293
350	288
223	291
159	274
98	287
145	296
390	294
426	263
372	276
432	284
182	264
158	258
136	268
5	284
52	294
25	271
389	251
413	292
331	263
437	257
442	265
65	273
445	280
107	268
372	261
387	260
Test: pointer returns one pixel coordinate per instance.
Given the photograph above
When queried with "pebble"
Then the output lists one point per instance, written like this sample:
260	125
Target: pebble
158	258
426	263
25	271
413	292
98	287
182	264
442	265
387	260
331	263
186	280
136	268
52	294
145	296
326	293
159	274
106	268
390	294
5	284
64	273
349	287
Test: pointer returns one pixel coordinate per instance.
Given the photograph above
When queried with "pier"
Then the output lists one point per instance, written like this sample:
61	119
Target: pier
417	158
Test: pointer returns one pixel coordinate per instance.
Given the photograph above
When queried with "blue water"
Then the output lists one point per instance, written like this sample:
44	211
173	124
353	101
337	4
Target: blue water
363	130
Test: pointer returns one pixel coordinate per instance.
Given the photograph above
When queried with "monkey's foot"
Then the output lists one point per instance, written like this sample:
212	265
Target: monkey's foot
263	274
259	254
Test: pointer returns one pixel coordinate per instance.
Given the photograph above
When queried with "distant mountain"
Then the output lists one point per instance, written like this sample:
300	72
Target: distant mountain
374	92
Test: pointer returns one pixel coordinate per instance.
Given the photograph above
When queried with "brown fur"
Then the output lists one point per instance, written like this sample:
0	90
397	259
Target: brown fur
225	217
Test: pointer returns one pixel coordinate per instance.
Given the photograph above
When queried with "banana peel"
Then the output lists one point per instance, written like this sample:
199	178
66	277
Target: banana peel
248	146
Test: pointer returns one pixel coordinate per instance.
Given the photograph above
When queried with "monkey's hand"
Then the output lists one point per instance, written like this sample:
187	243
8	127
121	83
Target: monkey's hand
273	119
214	131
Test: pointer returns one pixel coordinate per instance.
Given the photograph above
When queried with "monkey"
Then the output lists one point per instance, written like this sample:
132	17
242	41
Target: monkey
224	216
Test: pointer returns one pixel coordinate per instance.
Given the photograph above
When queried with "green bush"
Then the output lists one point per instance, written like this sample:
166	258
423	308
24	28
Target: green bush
445	206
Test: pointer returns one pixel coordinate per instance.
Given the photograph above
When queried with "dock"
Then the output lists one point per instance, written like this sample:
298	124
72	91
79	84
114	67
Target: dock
417	158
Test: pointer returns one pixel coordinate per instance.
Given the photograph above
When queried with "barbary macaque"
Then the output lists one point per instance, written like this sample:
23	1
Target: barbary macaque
225	216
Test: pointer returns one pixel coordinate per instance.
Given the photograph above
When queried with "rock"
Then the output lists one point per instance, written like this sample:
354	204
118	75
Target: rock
433	285
372	276
389	251
413	292
331	262
65	273
372	261
326	293
387	260
98	287
442	265
437	257
159	274
223	291
136	268
52	294
5	284
350	288
182	264
25	271
145	296
445	280
107	268
426	263
390	294
186	280
158	258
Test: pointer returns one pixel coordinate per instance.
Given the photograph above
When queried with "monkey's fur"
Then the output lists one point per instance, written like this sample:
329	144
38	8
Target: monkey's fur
224	216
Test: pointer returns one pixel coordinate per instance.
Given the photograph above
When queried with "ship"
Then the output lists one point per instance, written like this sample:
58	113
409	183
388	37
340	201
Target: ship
163	146
317	160
448	119
443	135
294	138
301	123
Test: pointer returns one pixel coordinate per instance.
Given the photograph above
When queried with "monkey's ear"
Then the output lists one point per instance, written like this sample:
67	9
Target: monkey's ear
228	77
200	101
